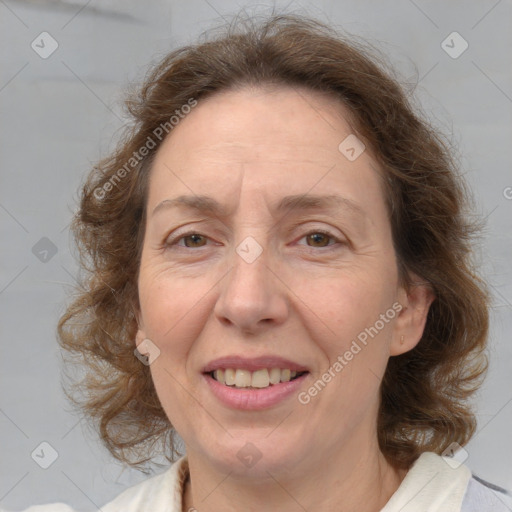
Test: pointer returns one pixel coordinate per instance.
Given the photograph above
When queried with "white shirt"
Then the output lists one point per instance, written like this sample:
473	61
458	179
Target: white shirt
431	485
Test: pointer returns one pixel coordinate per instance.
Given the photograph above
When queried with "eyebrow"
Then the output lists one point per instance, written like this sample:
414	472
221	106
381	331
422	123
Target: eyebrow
298	202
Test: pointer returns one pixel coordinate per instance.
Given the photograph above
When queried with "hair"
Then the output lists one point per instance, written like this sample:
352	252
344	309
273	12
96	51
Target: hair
425	392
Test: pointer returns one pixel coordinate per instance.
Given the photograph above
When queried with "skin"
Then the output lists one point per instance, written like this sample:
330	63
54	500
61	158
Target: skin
304	298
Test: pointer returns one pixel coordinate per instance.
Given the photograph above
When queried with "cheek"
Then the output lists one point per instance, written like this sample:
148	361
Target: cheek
165	299
173	313
347	303
170	309
345	322
347	327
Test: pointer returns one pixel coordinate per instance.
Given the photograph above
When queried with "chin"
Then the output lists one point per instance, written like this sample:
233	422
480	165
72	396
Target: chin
255	453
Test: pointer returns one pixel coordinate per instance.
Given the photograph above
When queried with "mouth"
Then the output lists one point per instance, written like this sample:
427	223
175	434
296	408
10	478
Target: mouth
254	383
256	388
263	378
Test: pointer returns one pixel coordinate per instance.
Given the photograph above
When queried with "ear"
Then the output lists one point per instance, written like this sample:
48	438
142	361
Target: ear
141	333
140	337
411	320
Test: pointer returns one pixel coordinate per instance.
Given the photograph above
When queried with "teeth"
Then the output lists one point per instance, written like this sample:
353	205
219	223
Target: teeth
229	377
275	376
219	375
243	379
258	379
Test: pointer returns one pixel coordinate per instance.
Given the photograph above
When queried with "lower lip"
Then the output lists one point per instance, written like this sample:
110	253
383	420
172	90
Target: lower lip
254	399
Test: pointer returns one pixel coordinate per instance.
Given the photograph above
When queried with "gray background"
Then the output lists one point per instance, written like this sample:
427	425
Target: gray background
60	114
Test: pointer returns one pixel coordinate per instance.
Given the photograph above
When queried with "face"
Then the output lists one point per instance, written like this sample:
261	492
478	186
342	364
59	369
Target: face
295	270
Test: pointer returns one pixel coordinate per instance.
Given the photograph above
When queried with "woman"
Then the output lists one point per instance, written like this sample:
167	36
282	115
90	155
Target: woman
280	273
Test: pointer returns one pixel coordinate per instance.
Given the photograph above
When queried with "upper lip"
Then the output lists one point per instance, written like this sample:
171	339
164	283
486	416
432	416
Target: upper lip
253	363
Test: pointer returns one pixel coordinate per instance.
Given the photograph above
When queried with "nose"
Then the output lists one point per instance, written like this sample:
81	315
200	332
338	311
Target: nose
252	296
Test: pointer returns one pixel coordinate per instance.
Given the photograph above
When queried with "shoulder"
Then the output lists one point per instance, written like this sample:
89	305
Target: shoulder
432	483
161	492
436	482
481	496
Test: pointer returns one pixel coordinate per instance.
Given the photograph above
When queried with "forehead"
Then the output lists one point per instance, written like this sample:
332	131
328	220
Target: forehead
251	120
279	141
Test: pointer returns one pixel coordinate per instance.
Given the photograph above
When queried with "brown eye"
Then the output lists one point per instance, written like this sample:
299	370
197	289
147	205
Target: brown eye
195	239
319	239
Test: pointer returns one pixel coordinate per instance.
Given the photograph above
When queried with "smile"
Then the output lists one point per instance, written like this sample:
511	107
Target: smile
252	398
258	379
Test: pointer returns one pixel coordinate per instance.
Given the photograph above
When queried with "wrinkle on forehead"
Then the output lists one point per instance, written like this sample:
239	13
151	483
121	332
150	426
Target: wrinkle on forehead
218	150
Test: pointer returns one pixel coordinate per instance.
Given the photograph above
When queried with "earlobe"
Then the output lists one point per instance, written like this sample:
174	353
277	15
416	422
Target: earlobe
141	343
141	334
140	337
411	321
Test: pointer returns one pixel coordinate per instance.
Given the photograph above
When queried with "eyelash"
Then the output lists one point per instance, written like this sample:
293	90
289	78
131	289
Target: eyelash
174	242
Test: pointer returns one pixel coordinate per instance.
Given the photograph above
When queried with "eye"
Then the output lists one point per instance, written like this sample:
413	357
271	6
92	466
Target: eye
320	238
317	238
191	240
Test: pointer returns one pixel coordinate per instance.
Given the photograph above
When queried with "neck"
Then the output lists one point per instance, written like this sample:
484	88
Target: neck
350	480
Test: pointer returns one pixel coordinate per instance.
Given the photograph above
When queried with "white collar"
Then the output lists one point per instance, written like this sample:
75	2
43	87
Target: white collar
431	485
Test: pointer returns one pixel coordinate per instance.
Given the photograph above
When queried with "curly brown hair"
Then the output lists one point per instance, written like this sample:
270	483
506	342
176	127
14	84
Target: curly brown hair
424	392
